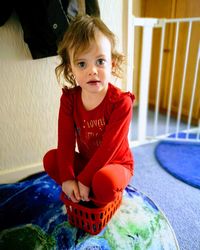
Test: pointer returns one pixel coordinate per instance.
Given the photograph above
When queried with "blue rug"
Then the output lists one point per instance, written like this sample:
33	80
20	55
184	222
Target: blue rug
180	159
33	217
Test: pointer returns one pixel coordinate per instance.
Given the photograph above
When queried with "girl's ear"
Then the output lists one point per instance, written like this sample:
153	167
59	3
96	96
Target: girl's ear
69	67
113	65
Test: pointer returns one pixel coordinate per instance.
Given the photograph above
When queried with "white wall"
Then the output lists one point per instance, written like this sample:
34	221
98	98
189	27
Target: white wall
29	98
114	14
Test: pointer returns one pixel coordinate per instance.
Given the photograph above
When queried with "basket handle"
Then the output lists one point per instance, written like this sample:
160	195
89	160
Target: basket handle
64	197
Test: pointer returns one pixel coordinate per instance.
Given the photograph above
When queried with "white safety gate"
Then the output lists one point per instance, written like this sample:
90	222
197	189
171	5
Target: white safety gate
148	25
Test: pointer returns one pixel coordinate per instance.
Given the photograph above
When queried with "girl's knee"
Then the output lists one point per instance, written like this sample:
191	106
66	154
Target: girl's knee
109	182
51	166
103	187
49	160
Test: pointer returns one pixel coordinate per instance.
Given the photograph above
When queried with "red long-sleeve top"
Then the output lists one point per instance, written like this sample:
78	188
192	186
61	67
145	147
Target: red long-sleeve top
101	134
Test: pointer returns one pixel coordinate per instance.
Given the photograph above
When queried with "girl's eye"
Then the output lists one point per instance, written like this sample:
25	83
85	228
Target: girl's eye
81	65
101	62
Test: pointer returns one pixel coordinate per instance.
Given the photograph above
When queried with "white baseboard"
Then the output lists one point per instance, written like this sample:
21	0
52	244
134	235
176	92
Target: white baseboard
13	175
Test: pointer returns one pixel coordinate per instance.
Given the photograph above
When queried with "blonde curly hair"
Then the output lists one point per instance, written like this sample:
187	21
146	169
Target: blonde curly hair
78	38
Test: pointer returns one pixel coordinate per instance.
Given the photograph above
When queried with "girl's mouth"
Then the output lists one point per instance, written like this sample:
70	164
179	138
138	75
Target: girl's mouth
93	82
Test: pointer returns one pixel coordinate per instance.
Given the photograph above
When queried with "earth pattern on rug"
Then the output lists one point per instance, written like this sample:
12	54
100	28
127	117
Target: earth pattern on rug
33	217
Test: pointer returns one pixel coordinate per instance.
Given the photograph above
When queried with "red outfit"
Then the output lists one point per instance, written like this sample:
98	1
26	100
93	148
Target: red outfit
101	136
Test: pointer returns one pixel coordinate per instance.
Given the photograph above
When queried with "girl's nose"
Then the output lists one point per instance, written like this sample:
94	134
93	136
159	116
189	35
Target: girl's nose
93	70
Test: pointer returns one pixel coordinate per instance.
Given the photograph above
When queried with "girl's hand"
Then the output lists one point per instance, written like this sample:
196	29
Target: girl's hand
71	189
84	191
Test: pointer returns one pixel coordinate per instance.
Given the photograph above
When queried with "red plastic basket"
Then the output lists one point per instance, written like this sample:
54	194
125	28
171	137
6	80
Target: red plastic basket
91	220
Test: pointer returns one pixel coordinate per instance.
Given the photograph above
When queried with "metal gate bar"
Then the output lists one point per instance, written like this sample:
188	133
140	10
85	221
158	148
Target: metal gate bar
148	24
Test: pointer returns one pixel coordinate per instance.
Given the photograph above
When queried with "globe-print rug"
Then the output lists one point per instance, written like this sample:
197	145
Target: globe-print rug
33	217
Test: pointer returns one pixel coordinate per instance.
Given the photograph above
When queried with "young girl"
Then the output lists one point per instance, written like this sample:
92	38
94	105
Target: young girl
94	115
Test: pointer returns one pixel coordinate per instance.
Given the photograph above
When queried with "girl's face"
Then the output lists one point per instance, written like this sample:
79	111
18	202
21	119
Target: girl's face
92	68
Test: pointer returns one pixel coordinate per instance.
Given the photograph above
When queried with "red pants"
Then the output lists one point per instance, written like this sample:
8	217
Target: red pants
107	183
